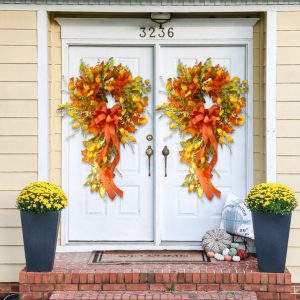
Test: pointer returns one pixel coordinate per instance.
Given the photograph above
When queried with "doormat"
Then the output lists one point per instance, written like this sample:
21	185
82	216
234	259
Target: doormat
166	256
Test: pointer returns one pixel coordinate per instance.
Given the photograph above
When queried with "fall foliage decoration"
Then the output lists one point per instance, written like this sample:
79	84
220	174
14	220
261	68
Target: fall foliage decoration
206	127
106	128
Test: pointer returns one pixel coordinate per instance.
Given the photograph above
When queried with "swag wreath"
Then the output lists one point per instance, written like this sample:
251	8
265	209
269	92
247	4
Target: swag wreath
110	127
206	127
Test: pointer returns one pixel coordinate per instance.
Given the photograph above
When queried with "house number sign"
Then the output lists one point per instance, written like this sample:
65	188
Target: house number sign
156	32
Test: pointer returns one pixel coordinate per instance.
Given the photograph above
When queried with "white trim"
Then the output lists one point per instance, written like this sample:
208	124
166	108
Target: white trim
91	32
42	71
150	8
87	247
271	44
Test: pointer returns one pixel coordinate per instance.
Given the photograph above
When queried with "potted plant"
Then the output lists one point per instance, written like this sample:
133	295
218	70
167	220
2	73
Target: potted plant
40	204
271	205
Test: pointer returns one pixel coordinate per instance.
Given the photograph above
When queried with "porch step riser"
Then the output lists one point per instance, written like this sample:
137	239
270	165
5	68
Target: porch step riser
153	296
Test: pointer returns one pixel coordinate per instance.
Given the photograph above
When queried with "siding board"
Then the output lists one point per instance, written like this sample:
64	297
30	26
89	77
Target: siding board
18	109
18	54
18	162
12	255
13	37
288	146
18	20
16	181
18	90
8	199
18	126
10	218
10	273
288	73
288	92
11	237
288	110
18	72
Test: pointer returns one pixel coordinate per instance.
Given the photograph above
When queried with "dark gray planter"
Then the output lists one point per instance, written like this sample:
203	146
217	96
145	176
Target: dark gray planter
40	236
271	240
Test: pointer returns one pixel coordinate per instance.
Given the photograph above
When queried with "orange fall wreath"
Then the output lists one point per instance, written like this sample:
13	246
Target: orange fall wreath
109	126
206	127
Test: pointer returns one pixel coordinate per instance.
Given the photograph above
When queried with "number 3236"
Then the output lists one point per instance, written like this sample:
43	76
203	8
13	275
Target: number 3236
154	32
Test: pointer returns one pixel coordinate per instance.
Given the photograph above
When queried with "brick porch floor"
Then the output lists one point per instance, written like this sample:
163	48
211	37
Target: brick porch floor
74	278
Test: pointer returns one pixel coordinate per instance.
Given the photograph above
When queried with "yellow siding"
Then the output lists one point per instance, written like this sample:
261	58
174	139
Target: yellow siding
18	130
258	101
288	121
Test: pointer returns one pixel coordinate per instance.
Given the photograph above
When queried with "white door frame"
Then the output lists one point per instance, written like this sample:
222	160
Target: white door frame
218	32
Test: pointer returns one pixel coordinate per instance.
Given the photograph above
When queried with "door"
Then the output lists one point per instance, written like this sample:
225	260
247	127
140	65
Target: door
131	217
185	217
152	203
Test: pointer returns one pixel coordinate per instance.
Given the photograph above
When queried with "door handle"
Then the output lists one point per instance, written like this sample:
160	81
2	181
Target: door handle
149	153
165	152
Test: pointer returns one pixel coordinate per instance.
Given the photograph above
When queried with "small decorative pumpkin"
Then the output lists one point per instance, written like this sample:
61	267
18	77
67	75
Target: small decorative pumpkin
225	251
243	254
227	257
216	240
236	258
234	245
219	256
210	254
232	251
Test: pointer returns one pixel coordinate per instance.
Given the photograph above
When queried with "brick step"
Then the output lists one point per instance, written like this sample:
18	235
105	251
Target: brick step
237	295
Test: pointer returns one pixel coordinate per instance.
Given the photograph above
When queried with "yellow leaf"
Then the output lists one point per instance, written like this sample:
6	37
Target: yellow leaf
230	139
200	192
105	159
123	139
173	126
202	160
74	126
102	191
132	139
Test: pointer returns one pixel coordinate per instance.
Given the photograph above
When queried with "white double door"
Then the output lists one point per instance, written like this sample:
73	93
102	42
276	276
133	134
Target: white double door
155	208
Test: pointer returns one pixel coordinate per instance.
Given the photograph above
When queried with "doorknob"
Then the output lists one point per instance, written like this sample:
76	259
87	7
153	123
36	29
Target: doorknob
149	153
165	152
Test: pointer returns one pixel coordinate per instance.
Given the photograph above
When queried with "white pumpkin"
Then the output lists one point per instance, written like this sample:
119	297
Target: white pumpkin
216	240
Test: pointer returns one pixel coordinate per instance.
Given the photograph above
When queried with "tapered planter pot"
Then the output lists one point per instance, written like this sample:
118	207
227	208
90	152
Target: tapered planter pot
271	240
40	236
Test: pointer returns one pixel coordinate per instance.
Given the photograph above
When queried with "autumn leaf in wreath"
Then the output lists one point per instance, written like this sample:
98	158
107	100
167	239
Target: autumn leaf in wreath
106	128
205	127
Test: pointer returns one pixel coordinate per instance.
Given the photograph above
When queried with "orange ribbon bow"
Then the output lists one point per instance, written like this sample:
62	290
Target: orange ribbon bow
203	122
105	121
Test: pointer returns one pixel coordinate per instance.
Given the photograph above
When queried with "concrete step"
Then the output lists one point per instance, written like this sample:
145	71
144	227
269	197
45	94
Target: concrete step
118	295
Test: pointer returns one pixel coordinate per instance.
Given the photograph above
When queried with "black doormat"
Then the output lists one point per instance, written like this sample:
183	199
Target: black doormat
132	257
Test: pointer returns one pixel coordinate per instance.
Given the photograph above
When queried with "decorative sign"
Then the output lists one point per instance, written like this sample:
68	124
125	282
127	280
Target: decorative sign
206	127
156	32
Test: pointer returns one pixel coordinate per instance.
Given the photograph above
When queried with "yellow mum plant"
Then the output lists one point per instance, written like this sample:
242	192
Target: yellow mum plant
41	197
272	198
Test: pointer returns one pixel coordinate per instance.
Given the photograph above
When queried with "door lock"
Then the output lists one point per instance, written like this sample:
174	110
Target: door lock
149	137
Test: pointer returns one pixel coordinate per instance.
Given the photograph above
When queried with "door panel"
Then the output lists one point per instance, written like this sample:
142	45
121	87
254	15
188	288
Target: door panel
130	218
185	217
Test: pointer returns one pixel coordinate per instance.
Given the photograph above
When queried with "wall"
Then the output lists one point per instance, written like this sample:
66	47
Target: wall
259	101
18	130
288	121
